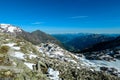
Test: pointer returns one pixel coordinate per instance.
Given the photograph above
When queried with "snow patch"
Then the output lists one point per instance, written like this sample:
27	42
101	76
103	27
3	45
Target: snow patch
59	53
14	63
10	28
73	61
10	44
4	25
87	62
54	75
16	48
29	65
41	50
112	64
18	55
32	56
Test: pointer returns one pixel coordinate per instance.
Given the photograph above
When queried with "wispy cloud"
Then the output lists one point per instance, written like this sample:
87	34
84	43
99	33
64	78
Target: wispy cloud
77	17
36	23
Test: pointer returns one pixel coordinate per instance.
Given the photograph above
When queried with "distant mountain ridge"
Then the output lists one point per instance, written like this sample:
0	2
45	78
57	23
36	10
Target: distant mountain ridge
68	36
80	41
104	45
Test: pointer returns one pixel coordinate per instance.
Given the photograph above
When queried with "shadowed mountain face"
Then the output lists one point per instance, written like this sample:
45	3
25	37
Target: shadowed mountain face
38	37
77	42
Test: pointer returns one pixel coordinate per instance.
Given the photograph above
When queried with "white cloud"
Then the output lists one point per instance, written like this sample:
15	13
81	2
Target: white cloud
75	17
36	23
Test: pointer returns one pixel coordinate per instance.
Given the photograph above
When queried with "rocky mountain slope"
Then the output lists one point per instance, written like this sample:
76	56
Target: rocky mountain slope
35	37
105	54
108	49
9	28
22	60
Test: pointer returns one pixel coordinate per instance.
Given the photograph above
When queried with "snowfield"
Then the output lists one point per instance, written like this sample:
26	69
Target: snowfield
9	28
111	64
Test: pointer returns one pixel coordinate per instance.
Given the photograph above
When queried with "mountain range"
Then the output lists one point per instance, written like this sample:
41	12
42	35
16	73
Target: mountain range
38	56
110	44
81	41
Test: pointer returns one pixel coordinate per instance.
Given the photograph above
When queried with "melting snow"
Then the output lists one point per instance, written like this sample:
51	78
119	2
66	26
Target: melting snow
100	63
14	63
40	50
9	28
87	62
54	75
29	65
112	64
4	25
59	53
21	55
16	48
32	56
18	55
73	61
54	51
10	44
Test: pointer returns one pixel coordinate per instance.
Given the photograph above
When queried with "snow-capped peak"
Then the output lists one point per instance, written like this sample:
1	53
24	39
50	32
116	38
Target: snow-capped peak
9	28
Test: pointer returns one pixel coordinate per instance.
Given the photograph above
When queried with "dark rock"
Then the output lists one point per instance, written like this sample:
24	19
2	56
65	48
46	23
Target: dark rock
103	68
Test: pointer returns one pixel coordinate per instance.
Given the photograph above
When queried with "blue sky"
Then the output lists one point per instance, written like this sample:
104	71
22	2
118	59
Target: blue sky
62	16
